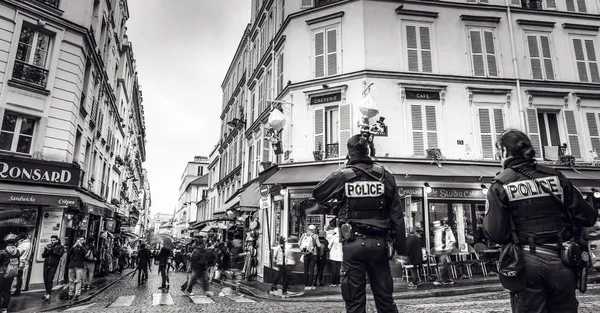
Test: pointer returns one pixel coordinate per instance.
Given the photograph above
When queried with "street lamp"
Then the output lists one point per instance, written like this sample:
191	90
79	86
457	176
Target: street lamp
596	193
368	108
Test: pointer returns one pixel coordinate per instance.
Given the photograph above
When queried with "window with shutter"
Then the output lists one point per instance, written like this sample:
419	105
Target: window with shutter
572	134
261	93
485	129
250	160
326	52
483	53
418	46
424	128
252	107
585	59
534	131
319	129
266	157
576	6
269	87
279	73
258	156
593	121
345	127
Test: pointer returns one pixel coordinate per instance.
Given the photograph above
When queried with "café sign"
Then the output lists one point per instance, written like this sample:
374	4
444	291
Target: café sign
18	170
456	193
37	199
332	97
411	191
422	95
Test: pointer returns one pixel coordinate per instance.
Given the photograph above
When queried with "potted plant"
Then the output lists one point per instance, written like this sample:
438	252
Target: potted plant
318	154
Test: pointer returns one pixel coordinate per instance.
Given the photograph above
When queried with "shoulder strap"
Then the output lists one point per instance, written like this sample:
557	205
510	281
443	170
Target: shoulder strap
506	177
348	173
367	172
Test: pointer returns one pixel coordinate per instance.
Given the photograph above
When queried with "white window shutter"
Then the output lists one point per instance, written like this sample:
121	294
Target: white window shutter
332	53
477	53
473	1
592	61
550	4
580	59
307	3
534	57
425	44
431	123
345	127
594	128
490	51
547	57
266	157
319	123
570	5
485	129
581	6
417	129
534	131
319	54
572	134
498	122
515	2
412	48
280	73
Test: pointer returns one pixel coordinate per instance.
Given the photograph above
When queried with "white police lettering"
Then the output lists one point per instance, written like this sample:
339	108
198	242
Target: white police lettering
364	189
528	189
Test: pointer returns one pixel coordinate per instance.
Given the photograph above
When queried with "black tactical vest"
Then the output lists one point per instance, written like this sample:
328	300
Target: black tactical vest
538	218
364	193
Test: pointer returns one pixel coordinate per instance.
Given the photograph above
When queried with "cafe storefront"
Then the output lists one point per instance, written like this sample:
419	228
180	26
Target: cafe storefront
41	198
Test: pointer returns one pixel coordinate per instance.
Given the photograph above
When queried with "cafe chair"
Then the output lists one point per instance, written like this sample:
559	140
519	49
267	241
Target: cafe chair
474	259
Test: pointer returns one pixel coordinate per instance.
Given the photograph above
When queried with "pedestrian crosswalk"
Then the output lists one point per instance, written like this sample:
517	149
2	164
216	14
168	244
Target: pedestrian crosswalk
160	299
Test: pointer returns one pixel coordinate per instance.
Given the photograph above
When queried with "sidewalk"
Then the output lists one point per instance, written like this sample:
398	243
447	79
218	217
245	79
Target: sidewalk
333	294
31	301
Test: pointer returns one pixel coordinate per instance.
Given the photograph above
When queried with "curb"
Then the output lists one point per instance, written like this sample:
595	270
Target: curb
88	297
428	293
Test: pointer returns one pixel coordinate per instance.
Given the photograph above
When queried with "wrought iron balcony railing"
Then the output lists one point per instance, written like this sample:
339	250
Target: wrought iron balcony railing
52	3
319	3
30	73
532	4
332	150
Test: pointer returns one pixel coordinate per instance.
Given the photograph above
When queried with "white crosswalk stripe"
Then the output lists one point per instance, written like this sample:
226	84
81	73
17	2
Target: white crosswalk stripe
162	299
81	307
201	299
122	301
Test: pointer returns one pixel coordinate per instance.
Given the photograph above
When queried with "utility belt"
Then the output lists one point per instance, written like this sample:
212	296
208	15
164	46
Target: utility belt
349	233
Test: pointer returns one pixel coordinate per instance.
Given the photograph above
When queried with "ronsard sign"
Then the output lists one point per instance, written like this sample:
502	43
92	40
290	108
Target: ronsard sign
16	169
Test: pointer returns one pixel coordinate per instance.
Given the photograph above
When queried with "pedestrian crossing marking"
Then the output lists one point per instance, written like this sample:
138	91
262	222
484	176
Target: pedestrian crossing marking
162	299
201	299
463	303
241	299
81	307
122	301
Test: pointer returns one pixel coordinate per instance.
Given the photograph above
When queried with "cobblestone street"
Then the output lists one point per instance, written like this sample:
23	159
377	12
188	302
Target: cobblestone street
126	296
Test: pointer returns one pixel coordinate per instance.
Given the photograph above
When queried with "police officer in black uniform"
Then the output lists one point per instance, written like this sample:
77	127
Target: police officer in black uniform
370	211
541	222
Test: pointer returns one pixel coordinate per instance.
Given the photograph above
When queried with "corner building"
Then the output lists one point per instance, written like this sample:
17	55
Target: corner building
64	136
448	77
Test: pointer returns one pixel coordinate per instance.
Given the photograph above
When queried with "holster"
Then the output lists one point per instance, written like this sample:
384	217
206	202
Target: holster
346	233
389	241
571	254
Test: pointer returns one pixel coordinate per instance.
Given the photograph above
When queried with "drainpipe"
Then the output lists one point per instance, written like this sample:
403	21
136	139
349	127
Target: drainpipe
513	52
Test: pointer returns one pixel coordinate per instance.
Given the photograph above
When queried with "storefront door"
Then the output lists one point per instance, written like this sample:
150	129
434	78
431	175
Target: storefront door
464	218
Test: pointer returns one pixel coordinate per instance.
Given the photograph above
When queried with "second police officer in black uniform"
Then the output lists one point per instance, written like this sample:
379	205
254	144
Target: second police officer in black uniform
370	211
541	225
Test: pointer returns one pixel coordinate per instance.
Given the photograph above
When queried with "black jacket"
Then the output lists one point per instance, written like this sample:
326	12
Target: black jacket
333	188
52	254
199	258
77	257
496	224
414	252
143	259
163	256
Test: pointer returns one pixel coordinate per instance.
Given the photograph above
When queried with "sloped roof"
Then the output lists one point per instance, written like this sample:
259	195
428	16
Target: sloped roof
200	181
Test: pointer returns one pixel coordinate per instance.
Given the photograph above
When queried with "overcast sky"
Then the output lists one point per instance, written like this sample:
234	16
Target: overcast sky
183	49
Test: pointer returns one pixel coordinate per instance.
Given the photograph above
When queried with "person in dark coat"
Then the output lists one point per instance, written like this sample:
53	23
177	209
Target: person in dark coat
9	255
414	253
76	266
143	262
199	263
52	254
163	261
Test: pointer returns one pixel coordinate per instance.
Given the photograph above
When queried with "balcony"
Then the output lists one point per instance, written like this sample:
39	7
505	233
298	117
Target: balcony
532	4
319	3
332	150
51	3
30	73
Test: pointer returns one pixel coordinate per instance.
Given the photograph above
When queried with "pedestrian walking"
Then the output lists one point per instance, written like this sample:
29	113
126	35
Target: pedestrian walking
211	262
52	254
309	245
9	269
370	211
198	265
537	214
163	262
335	256
444	241
143	262
283	256
322	258
76	267
89	264
24	246
414	254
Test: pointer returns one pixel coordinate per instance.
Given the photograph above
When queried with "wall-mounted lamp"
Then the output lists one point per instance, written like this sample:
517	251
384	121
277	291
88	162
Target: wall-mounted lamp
427	188
235	122
283	192
596	193
484	189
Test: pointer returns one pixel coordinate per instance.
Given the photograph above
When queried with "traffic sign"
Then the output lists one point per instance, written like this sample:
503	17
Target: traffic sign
264	191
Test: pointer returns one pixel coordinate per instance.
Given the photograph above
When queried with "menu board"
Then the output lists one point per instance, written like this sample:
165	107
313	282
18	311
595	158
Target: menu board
51	225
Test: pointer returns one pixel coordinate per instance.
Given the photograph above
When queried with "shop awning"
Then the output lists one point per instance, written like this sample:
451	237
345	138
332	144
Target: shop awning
94	206
38	195
249	197
232	202
310	173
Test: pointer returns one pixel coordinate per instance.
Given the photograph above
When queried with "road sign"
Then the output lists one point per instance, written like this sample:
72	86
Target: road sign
264	191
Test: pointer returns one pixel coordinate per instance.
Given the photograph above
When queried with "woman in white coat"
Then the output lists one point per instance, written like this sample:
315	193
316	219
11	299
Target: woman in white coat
335	256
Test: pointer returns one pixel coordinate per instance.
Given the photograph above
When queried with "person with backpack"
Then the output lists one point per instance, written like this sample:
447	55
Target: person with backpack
322	258
52	254
309	243
89	265
9	269
76	267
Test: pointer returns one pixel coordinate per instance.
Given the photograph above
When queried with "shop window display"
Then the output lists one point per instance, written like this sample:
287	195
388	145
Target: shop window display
17	220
